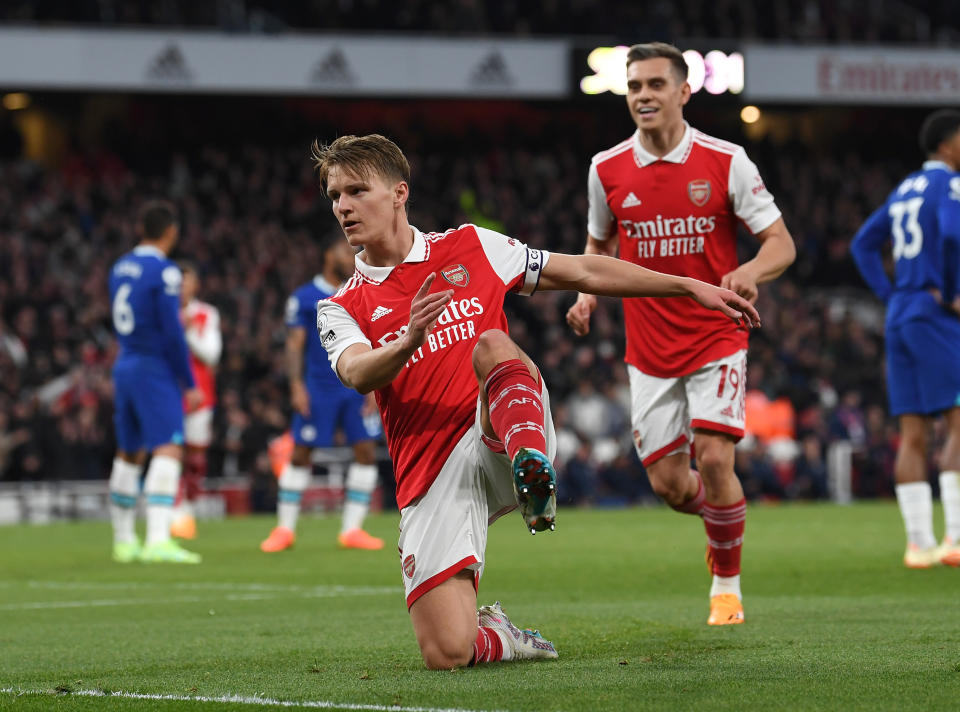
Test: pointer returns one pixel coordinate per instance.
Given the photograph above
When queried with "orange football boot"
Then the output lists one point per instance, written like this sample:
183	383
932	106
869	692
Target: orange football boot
358	539
949	552
916	558
725	609
280	539
184	527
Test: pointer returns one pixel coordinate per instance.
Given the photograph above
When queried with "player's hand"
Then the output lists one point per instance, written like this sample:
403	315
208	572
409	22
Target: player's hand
742	282
194	399
300	398
727	301
425	309
578	316
369	405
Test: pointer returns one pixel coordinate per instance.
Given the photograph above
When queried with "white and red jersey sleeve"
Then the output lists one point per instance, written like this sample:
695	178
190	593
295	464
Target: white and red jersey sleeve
751	200
432	402
678	214
201	324
338	331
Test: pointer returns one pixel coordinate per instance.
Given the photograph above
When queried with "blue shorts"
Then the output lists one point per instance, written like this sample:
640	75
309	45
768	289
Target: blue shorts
148	406
331	407
923	368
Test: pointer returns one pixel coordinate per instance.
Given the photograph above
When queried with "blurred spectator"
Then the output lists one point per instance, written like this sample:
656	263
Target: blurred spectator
806	20
250	213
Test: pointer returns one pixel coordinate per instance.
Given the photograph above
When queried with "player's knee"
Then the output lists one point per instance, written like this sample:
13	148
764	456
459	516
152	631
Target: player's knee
490	345
714	462
672	490
915	442
446	652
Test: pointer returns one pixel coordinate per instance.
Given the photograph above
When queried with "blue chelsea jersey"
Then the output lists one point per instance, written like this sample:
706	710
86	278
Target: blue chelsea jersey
302	312
921	219
145	306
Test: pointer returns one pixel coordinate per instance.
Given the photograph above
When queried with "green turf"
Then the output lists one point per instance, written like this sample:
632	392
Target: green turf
834	621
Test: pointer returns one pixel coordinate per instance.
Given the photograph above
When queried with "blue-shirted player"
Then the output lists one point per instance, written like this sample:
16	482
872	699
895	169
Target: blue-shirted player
321	403
922	219
150	376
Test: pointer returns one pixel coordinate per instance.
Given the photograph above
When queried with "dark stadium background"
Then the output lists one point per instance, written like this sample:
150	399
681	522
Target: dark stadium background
74	166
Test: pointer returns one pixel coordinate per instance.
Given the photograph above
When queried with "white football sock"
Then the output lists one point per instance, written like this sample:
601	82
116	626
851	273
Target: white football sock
124	491
726	584
916	506
950	496
293	481
361	481
160	487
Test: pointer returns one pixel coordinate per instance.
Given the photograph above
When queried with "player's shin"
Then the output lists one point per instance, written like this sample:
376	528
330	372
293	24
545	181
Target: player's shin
725	525
160	488
950	497
361	481
293	481
916	506
516	408
124	490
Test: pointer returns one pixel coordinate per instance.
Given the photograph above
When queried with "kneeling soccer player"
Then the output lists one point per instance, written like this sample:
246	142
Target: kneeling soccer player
465	411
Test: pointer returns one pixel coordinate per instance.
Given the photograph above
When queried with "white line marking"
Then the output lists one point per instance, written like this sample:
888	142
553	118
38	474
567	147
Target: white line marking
239	699
216	586
247	592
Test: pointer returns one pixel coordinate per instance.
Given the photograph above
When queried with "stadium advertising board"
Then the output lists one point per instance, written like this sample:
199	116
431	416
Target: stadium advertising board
292	64
847	75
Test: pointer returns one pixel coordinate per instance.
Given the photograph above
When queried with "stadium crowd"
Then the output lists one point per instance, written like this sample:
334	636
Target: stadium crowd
249	217
809	20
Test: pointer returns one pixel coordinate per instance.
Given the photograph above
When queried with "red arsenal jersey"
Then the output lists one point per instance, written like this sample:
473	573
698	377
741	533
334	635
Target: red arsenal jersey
433	401
678	214
201	325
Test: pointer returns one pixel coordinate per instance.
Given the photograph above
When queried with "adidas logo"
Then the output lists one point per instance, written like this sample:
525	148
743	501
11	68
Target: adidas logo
170	64
379	312
728	411
333	69
631	201
491	71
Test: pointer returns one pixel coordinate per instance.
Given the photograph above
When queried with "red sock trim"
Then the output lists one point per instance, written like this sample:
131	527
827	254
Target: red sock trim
694	505
487	648
725	526
516	408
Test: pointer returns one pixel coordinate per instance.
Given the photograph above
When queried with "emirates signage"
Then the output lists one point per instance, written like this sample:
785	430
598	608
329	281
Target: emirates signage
841	75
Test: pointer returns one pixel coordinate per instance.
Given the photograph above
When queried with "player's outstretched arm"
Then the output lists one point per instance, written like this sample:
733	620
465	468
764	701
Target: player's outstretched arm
366	369
610	277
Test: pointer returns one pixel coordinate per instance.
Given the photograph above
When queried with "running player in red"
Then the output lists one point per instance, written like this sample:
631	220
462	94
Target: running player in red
465	411
201	324
673	197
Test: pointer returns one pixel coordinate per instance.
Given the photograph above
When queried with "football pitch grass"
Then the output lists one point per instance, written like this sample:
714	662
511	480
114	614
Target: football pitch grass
833	619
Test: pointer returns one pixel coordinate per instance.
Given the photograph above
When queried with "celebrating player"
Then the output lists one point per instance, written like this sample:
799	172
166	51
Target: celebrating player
673	197
922	216
320	404
465	411
150	373
201	323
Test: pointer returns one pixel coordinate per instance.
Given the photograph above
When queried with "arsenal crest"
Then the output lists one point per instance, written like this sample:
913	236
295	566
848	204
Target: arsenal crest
409	566
456	275
699	192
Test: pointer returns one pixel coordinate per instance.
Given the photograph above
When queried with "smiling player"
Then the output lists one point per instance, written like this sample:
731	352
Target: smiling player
673	197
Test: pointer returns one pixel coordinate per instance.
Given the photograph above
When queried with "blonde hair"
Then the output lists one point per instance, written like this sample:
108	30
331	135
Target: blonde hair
361	155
